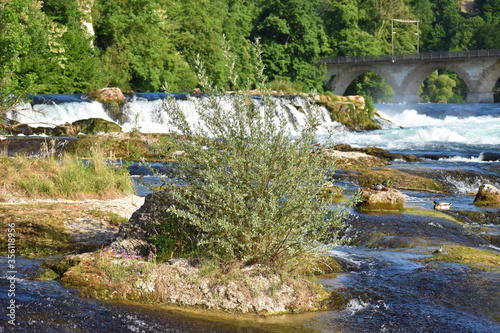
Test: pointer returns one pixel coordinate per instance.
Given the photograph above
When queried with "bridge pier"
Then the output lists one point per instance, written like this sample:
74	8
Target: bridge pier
480	97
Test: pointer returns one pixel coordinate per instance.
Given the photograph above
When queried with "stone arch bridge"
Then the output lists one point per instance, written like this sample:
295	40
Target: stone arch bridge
405	73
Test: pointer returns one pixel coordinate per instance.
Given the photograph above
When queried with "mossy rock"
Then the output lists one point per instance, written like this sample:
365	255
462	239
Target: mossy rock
353	115
402	180
373	200
487	195
47	275
96	126
472	257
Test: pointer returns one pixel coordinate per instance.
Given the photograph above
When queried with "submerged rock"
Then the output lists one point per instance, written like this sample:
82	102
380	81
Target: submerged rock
487	195
391	199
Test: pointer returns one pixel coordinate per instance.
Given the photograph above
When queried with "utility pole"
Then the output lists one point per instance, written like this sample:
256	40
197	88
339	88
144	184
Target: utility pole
393	32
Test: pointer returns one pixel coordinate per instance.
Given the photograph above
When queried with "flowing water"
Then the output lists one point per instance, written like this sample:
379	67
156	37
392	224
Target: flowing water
383	290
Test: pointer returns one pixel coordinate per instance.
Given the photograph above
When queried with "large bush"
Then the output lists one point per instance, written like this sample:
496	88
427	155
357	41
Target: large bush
251	187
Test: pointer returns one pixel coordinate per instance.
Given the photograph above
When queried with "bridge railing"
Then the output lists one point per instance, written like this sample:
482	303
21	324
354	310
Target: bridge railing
425	56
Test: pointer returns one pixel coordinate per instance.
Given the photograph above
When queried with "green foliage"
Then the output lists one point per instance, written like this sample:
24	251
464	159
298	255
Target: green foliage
67	177
286	87
172	237
292	41
47	47
372	85
440	87
251	188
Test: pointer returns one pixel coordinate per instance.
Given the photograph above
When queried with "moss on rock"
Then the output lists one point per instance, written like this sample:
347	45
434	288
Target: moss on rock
472	257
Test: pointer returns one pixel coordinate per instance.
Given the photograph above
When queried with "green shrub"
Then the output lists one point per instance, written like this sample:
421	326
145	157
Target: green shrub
249	185
287	87
369	106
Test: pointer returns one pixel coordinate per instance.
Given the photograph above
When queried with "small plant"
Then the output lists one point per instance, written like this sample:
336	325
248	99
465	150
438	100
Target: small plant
172	237
369	106
125	265
136	128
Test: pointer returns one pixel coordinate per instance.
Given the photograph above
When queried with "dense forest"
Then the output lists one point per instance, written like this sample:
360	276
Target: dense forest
75	46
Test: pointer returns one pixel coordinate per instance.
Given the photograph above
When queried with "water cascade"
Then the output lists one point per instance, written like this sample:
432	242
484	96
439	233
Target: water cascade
144	111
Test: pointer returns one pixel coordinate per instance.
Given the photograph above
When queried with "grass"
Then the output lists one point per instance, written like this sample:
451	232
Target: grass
66	177
124	265
41	230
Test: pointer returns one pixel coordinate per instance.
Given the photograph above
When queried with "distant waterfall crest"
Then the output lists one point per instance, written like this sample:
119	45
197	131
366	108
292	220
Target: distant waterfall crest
145	111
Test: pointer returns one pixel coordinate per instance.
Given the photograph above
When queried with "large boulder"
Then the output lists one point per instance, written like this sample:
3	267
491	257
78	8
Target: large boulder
96	126
487	195
391	199
153	220
112	100
105	95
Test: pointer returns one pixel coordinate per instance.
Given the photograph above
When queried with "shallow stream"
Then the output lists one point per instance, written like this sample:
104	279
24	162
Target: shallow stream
387	288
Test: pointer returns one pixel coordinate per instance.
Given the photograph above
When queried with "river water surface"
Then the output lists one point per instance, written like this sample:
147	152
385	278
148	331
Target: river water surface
385	289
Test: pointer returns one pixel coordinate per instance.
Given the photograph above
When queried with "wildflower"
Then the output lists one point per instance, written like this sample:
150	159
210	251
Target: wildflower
126	262
135	266
105	249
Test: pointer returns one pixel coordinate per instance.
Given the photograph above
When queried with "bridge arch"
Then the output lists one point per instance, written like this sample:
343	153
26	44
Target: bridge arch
344	78
488	78
405	73
417	76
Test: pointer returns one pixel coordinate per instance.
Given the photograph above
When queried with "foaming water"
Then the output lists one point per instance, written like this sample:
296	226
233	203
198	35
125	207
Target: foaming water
146	113
49	115
466	131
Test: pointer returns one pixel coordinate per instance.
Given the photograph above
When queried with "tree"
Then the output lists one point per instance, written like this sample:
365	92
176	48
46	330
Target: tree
291	38
488	9
250	187
440	87
21	24
135	37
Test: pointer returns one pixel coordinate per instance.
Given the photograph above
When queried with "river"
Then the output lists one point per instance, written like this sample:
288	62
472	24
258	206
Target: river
385	289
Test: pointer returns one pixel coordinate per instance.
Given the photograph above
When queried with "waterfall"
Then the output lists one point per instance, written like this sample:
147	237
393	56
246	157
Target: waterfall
144	111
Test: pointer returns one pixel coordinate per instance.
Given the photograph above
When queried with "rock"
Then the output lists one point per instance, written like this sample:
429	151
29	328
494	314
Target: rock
329	189
195	91
487	195
96	126
139	232
108	95
381	200
353	159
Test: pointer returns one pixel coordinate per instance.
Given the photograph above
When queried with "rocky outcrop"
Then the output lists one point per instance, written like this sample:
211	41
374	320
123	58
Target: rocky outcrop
350	111
487	195
105	95
349	159
139	232
112	100
96	126
379	152
391	199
